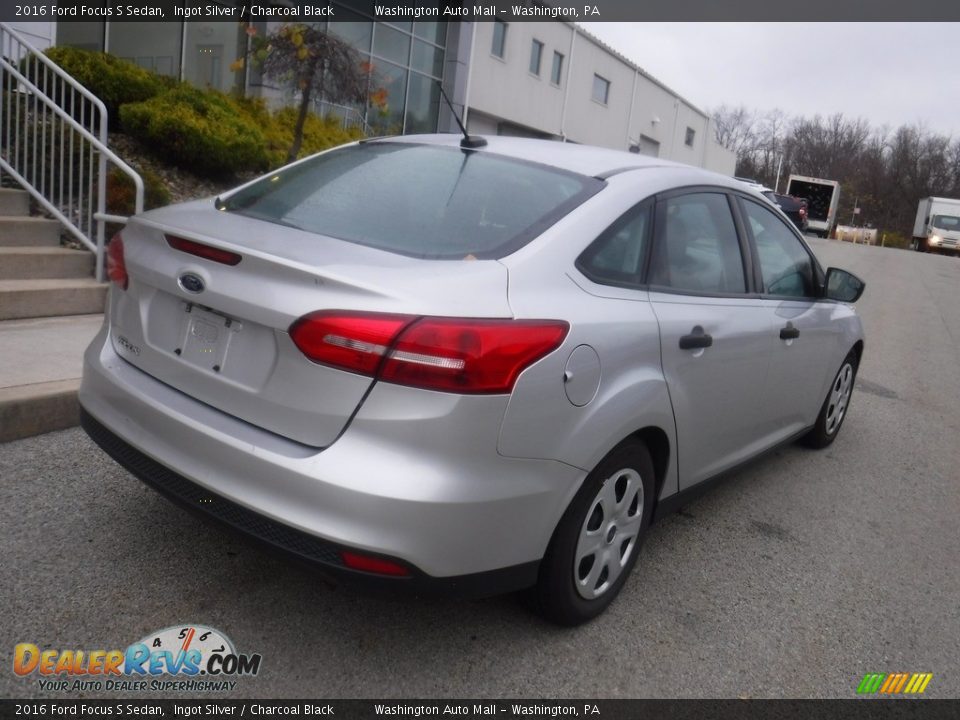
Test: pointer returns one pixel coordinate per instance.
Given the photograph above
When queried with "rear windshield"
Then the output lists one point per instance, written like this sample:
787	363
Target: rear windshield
418	200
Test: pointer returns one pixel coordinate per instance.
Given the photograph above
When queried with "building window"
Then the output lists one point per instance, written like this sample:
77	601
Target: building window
691	134
601	89
499	38
556	72
536	54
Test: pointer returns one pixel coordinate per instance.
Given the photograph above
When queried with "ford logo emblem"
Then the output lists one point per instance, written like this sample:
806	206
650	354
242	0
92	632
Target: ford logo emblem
191	283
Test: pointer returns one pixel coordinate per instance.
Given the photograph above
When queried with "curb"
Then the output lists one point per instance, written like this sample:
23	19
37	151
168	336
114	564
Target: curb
27	410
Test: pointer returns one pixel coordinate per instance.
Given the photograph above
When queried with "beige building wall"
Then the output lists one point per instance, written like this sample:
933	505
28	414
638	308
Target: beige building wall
505	97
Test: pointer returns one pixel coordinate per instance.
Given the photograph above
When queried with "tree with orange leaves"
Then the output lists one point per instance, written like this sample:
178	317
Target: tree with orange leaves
314	63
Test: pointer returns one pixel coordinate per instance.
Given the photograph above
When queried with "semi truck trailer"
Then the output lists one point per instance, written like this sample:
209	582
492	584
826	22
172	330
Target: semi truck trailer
822	197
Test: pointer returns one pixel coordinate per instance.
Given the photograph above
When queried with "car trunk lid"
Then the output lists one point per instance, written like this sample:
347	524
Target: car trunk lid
219	332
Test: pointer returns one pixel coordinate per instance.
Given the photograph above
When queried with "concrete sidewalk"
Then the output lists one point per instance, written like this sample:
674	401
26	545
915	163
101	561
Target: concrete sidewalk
41	361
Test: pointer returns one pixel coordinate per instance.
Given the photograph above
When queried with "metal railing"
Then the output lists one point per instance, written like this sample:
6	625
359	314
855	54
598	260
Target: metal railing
53	142
349	116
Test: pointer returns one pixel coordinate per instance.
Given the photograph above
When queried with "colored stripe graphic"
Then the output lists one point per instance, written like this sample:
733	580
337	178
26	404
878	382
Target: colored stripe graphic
870	683
894	683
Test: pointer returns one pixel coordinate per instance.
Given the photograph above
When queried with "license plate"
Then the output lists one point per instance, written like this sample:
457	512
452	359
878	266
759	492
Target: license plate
206	338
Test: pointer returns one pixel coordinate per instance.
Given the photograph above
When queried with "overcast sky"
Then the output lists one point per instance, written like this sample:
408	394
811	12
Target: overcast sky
888	73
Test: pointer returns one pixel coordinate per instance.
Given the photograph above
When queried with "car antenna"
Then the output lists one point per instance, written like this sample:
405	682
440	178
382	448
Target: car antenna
469	142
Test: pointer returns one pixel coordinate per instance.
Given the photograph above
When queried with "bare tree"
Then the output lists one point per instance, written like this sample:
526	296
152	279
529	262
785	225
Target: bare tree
885	172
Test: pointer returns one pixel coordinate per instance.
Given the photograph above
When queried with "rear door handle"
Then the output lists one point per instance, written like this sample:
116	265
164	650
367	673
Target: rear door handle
696	339
789	332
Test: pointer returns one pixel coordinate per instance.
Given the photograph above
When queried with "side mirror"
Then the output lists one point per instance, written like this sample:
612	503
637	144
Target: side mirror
843	286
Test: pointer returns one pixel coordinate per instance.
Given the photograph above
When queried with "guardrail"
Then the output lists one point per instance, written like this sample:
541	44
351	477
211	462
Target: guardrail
53	142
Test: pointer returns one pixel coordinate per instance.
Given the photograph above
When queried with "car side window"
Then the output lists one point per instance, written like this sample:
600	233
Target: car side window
617	256
786	267
697	249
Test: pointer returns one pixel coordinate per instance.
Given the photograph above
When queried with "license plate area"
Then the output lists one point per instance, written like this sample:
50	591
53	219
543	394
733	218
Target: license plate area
206	337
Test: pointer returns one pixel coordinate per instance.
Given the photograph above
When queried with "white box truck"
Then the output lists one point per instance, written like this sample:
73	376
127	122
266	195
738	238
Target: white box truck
822	197
937	227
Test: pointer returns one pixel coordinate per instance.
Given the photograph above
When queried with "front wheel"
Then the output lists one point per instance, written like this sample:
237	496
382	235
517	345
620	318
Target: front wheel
596	542
835	406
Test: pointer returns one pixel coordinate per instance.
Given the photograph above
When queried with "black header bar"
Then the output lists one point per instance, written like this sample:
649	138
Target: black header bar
516	11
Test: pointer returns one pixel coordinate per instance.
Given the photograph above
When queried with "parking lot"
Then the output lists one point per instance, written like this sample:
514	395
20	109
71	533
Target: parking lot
794	578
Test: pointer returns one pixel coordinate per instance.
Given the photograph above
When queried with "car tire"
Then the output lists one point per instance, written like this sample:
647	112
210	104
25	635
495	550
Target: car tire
596	543
835	406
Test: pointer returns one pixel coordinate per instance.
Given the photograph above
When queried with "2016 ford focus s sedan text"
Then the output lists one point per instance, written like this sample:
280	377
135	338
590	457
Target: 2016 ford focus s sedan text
476	368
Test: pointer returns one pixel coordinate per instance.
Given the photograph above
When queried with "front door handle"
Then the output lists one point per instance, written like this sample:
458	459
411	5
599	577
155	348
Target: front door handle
789	332
696	339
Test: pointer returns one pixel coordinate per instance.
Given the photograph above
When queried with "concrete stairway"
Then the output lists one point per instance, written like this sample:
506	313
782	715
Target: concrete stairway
50	307
38	278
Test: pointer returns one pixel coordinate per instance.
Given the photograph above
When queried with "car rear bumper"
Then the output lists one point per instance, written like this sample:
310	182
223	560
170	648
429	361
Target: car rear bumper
290	541
432	494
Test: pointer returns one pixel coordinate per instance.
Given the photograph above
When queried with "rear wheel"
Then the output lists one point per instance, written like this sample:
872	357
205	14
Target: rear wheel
596	542
835	406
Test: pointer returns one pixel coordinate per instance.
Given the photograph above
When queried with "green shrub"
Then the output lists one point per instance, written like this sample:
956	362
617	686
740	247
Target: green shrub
893	239
121	192
204	131
318	134
111	79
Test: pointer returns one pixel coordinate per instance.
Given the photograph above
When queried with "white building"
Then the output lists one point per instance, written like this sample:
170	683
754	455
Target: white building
548	79
555	80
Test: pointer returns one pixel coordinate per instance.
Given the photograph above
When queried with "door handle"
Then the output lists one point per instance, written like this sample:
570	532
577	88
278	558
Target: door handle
789	332
696	339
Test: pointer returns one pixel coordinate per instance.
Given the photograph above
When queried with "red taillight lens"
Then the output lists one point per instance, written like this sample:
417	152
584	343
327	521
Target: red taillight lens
470	356
351	341
368	563
116	267
205	251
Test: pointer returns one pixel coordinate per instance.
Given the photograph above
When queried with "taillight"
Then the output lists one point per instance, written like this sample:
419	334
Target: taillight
469	356
116	267
351	341
461	355
207	252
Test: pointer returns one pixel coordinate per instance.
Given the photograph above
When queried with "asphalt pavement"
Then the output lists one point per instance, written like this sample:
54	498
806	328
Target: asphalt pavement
794	578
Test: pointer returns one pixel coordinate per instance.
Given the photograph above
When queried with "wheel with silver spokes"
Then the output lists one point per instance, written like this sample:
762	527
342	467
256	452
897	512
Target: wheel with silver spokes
609	533
835	406
839	398
598	539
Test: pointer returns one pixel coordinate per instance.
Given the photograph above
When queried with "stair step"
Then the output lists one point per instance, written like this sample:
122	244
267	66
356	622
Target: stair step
50	297
27	410
16	230
14	202
22	263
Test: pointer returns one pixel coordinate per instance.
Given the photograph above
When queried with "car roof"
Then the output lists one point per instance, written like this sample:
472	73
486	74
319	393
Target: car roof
573	157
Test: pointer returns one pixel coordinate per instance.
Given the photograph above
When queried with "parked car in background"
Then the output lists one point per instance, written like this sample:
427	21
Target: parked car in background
793	207
386	358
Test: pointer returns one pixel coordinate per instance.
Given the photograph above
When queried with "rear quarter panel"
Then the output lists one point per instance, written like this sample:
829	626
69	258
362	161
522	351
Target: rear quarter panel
619	323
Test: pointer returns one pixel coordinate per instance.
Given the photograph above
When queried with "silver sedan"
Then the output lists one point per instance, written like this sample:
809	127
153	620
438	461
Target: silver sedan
471	367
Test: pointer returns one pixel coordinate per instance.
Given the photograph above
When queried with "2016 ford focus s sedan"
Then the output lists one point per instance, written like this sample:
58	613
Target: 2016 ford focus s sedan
470	368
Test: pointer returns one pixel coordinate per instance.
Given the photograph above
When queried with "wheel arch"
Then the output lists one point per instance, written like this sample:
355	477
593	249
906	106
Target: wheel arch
857	350
658	444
